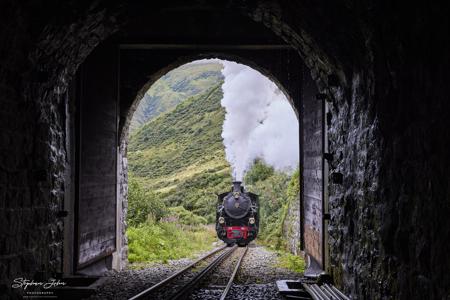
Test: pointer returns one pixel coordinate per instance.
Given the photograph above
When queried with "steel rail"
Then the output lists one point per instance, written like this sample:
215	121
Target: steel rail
339	293
311	292
324	292
230	282
184	292
328	294
333	293
155	287
319	292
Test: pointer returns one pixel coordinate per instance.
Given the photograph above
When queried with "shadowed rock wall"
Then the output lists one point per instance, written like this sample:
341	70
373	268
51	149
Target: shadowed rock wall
37	62
388	232
383	67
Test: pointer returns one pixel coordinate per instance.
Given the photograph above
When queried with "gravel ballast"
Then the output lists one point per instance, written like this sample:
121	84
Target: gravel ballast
255	279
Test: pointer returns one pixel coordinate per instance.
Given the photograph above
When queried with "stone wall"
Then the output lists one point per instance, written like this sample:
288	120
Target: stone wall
388	225
354	142
36	64
383	67
384	82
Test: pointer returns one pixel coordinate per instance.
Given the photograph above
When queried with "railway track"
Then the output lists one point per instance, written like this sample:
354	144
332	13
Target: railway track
233	275
184	290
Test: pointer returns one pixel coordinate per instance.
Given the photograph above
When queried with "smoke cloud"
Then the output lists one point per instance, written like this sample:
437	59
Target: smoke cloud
259	121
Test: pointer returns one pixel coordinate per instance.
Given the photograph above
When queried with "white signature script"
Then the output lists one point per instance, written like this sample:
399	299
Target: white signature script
25	283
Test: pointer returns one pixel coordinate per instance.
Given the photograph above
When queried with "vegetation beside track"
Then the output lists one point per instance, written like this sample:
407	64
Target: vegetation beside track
164	241
177	166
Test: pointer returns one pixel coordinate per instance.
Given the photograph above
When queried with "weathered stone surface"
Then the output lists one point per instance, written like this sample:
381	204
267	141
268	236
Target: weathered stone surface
291	227
36	63
311	161
382	65
98	152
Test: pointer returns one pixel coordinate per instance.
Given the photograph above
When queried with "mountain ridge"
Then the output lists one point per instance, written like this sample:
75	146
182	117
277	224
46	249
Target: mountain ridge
175	87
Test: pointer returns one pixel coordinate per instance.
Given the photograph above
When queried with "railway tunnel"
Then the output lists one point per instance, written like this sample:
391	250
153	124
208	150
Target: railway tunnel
367	82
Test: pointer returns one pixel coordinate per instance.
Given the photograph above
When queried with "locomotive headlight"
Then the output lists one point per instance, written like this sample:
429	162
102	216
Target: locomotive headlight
251	220
221	220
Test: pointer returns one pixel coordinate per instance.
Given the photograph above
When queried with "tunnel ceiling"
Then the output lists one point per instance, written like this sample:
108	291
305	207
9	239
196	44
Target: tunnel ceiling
194	25
382	67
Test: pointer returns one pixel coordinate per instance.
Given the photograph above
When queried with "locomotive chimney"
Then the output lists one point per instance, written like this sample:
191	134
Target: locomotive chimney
237	186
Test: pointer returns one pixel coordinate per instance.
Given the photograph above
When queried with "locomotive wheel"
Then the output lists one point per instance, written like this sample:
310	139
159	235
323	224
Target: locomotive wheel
230	245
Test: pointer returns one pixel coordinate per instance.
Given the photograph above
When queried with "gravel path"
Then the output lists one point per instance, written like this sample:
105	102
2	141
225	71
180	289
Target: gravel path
255	280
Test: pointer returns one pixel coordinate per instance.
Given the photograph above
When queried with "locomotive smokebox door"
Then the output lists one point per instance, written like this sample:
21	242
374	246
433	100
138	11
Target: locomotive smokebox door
237	204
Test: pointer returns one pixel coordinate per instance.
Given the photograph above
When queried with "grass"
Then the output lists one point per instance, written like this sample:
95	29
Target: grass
159	242
291	262
164	184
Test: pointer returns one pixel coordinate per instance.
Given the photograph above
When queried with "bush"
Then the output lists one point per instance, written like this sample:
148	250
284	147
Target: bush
258	172
143	205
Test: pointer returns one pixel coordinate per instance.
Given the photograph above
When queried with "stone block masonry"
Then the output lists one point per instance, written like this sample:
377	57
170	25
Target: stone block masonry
382	66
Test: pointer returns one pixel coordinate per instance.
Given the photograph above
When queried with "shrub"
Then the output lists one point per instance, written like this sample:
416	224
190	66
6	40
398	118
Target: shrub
143	205
258	172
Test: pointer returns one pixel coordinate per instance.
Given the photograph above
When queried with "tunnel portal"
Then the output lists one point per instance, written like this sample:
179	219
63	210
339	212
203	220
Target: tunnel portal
367	83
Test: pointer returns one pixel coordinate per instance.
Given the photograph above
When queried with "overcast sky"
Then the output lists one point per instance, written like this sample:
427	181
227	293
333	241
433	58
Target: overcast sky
259	122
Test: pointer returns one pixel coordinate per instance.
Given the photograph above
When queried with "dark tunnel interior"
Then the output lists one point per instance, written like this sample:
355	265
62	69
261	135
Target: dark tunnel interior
368	81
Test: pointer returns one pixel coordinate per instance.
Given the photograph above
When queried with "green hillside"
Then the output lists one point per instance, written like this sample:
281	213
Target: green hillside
175	87
180	156
177	165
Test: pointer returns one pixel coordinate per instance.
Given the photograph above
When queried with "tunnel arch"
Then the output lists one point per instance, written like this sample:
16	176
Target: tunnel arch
367	60
291	95
96	29
157	75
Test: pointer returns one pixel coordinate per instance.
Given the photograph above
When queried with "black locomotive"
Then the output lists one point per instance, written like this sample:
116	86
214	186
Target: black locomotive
237	216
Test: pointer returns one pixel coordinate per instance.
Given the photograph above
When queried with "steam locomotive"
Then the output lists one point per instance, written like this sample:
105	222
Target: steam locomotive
237	216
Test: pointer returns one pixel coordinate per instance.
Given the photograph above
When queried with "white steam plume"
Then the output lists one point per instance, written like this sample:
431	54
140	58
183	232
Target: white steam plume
259	121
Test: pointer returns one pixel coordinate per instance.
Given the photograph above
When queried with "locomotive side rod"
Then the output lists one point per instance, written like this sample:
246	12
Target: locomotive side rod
153	288
236	269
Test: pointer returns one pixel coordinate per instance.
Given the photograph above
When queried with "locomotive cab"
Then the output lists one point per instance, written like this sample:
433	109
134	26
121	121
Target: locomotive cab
237	219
